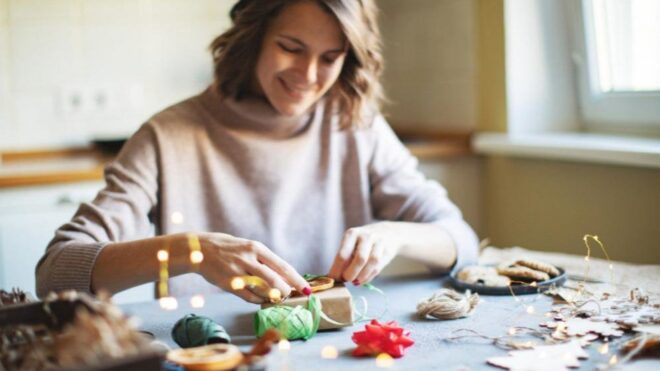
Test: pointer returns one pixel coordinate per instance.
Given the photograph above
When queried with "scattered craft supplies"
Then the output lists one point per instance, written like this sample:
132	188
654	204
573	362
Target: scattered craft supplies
224	356
644	345
377	338
542	357
15	296
193	331
448	304
581	327
73	331
208	357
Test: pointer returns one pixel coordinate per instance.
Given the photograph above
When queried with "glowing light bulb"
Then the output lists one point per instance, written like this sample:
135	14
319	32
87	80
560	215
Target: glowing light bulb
586	258
561	329
329	352
197	301
384	360
237	283
604	348
274	294
284	345
512	331
176	218
196	257
611	266
168	303
530	309
163	255
613	360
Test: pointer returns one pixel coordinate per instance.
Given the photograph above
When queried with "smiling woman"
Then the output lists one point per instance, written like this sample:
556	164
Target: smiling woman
283	166
304	51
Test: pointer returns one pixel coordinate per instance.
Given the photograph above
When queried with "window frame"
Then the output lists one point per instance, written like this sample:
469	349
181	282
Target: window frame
607	111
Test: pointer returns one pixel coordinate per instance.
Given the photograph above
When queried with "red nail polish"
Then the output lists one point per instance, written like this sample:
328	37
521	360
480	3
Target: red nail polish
356	282
307	291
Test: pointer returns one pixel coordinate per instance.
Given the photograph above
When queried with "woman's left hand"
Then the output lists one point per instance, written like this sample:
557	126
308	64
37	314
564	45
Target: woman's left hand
364	252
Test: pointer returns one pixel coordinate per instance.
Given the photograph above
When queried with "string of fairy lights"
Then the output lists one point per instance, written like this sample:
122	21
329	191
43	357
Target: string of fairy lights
581	294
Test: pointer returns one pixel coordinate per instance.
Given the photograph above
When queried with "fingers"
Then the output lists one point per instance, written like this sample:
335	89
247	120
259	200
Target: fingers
248	296
225	283
374	264
284	269
273	279
344	254
361	255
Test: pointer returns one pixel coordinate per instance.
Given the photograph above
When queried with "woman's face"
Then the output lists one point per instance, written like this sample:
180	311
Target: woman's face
301	57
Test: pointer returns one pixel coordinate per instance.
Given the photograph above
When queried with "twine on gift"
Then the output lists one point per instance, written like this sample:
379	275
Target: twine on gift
446	304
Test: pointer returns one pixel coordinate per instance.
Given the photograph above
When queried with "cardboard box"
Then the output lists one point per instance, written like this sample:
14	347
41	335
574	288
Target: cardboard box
336	303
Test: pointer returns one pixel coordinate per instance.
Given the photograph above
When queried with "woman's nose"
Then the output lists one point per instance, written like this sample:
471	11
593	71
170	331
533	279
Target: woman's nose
308	69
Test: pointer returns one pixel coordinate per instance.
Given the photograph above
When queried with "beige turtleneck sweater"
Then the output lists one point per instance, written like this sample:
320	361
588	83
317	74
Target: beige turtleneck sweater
294	184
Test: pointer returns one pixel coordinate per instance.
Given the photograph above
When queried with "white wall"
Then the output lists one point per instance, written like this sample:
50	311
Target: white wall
137	55
540	77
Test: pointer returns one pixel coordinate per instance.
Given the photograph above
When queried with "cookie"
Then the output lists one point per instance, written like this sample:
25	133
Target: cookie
539	266
486	276
523	273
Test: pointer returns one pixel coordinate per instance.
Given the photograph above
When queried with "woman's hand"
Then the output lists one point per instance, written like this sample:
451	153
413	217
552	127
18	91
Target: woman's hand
364	252
226	257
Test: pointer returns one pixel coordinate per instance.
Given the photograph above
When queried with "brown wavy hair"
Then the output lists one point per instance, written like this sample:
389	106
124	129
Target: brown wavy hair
358	89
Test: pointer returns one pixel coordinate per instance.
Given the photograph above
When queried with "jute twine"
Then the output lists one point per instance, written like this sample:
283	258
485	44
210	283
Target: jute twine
448	304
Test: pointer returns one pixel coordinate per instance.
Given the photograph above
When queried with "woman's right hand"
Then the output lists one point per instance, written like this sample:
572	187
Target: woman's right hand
226	257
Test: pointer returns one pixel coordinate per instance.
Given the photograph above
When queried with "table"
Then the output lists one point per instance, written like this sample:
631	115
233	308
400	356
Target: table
494	316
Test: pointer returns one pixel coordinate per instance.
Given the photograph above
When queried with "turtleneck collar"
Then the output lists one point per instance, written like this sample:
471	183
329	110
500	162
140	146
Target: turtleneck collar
254	114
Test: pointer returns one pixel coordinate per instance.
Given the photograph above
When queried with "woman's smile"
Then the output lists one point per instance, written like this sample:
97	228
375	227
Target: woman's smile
295	92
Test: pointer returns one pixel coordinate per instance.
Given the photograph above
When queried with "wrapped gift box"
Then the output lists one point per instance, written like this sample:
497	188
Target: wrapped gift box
336	303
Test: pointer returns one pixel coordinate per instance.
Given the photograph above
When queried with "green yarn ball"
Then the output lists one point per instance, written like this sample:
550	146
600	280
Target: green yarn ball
193	331
292	322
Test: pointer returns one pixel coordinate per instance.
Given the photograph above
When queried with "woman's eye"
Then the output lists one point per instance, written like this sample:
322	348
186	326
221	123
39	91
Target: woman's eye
328	60
289	49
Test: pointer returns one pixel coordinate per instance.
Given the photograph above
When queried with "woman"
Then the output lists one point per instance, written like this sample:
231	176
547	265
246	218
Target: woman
282	166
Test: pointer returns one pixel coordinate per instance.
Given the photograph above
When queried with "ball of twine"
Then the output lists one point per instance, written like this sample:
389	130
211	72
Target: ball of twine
448	304
193	331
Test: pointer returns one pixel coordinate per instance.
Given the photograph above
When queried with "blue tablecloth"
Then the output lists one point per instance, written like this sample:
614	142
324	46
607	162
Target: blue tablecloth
493	317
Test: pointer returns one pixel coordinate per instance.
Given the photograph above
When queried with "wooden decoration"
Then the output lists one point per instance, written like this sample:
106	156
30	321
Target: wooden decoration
542	357
581	326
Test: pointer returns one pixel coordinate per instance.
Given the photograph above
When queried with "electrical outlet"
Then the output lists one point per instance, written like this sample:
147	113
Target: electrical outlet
99	100
71	100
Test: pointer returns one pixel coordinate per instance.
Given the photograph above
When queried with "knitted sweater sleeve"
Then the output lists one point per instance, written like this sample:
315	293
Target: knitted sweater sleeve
400	192
119	212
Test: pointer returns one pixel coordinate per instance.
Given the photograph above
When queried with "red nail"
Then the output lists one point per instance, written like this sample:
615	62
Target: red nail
356	282
307	291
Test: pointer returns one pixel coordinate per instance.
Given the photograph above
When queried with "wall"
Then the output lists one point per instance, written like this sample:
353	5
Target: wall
71	70
430	74
550	205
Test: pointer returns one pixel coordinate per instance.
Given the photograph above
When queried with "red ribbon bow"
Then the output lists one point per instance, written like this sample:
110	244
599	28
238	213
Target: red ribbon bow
381	338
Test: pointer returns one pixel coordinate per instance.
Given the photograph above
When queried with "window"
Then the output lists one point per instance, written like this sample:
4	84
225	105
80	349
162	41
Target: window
619	63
